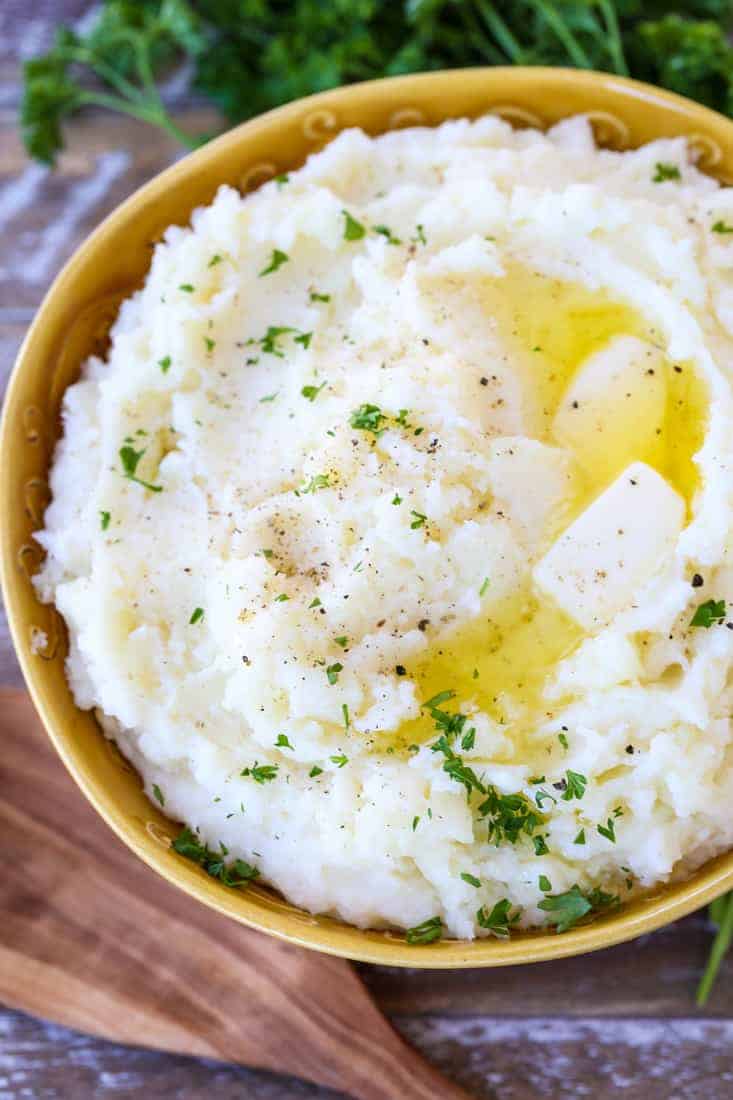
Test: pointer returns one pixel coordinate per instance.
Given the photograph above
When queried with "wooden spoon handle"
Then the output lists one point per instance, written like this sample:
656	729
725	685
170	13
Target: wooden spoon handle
400	1073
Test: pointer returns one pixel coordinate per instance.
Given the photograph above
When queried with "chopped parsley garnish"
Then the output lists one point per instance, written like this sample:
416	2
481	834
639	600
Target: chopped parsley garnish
722	227
165	363
314	603
277	259
210	344
580	838
566	909
367	418
420	235
664	172
470	879
316	297
215	259
345	713
158	794
197	616
283	742
104	518
436	700
332	672
261	773
187	288
311	392
510	816
282	597
563	740
339	760
419	521
281	180
130	459
608	830
315	771
468	739
709	613
484	587
237	873
540	845
397	499
269	397
415	822
269	342
386	232
427	932
353	230
304	339
544	884
320	481
498	920
576	784
342	640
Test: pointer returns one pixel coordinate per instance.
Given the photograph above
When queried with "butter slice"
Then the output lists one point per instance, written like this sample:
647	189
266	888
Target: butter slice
597	566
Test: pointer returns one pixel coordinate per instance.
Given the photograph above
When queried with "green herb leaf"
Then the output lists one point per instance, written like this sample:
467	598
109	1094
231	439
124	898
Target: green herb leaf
368	418
104	518
130	460
608	830
235	874
283	742
664	172
165	363
386	232
544	884
197	616
315	771
419	521
566	909
332	672
311	392
277	259
158	794
353	230
470	879
709	613
261	773
722	227
576	784
428	932
498	920
339	760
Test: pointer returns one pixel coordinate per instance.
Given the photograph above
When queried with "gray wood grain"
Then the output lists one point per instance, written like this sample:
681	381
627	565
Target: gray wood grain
621	1021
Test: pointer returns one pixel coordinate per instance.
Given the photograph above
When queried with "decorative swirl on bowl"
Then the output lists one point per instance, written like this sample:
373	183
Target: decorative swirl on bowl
406	116
32	420
256	175
705	152
153	829
517	116
36	496
320	126
609	130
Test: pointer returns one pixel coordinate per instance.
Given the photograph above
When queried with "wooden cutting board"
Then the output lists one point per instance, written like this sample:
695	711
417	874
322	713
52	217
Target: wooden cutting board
95	940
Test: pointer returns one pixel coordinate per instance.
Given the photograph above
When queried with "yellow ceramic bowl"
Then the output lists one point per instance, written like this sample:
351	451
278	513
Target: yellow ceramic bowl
73	322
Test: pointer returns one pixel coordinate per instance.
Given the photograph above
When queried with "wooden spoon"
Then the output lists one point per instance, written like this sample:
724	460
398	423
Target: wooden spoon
94	940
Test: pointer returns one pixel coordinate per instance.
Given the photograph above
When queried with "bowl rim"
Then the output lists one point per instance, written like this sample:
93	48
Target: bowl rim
326	934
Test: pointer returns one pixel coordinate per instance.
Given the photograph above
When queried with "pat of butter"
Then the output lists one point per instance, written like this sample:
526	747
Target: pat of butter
613	410
597	566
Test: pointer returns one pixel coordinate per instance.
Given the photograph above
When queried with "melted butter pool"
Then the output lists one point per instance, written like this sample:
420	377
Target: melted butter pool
500	663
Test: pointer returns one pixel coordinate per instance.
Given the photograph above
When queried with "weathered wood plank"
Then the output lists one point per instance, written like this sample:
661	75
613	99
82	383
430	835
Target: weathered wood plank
44	215
507	1058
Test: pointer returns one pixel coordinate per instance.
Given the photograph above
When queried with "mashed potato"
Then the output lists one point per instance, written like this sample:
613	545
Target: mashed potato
394	533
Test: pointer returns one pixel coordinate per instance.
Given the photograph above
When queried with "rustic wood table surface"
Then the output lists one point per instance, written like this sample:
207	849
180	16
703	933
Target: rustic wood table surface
620	1022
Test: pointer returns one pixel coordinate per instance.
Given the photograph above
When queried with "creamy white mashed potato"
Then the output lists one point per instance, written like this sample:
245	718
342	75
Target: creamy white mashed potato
444	413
